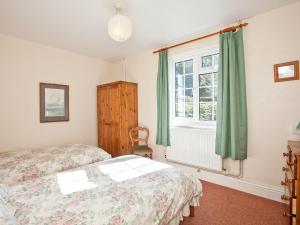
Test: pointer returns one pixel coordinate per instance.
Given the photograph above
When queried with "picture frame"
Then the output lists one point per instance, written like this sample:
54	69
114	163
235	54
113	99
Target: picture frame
286	71
54	102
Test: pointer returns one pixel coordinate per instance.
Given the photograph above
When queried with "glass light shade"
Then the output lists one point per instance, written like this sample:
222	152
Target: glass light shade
119	28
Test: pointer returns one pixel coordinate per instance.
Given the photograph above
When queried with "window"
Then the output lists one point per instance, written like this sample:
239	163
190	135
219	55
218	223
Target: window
194	87
184	89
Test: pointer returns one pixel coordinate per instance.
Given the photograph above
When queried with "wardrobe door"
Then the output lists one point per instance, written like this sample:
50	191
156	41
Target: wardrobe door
102	120
129	115
113	119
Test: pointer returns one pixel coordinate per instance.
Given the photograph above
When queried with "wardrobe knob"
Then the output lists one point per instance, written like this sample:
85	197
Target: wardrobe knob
285	168
285	197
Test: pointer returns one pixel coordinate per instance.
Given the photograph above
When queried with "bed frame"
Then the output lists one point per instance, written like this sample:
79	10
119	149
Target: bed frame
192	211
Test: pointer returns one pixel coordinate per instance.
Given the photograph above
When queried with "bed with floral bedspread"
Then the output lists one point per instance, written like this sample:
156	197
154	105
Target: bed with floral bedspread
128	190
19	166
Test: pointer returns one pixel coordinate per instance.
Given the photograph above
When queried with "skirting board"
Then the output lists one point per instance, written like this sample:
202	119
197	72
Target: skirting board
262	190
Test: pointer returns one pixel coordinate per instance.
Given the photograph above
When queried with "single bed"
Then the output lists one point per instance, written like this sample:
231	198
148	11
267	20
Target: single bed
19	166
128	190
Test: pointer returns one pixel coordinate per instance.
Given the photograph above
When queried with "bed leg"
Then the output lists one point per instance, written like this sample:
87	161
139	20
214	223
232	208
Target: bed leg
192	211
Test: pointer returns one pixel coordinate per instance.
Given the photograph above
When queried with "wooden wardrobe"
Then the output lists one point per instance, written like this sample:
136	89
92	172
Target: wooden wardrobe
117	114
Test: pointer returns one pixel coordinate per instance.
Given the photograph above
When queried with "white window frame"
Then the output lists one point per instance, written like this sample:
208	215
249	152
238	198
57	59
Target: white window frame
196	56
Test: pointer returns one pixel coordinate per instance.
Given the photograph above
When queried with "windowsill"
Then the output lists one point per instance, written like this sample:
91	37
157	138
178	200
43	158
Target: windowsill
194	127
192	124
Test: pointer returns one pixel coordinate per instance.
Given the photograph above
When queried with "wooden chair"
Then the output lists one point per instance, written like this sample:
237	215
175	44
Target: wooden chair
137	149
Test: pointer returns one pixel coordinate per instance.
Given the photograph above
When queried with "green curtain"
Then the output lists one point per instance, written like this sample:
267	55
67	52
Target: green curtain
162	92
231	134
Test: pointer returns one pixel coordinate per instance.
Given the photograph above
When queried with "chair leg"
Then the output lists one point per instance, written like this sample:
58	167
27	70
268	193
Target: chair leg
148	156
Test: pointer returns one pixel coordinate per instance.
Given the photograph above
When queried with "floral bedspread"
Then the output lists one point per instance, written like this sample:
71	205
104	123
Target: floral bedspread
20	166
127	190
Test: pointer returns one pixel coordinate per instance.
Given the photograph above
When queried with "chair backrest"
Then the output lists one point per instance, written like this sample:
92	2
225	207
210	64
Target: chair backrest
134	135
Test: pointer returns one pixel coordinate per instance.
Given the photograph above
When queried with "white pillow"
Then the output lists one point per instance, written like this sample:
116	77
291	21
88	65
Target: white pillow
7	211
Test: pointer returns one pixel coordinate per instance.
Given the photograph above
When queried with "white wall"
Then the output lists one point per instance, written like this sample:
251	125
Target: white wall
23	65
273	108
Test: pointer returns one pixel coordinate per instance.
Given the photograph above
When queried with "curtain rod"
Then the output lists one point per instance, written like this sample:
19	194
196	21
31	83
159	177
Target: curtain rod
228	29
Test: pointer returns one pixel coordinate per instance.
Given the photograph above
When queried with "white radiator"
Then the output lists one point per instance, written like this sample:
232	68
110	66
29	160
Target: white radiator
195	147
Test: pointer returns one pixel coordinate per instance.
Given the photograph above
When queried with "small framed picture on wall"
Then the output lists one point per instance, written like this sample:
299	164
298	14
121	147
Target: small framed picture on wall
286	71
54	102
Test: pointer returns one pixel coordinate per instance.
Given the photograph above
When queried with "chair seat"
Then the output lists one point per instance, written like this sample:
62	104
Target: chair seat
141	149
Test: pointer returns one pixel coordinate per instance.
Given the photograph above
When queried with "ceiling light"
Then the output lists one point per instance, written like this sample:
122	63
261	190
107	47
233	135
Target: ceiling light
119	26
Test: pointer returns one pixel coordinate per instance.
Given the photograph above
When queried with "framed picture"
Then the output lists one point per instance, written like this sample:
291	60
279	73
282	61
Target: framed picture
54	102
286	71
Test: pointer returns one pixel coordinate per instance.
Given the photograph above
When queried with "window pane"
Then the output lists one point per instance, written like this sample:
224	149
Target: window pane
216	61
179	68
188	81
188	95
179	81
179	110
188	67
215	112
205	111
215	78
179	96
215	94
189	109
206	99
207	61
205	92
205	79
